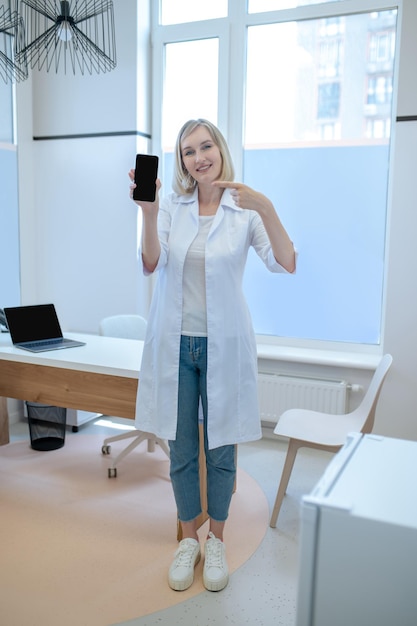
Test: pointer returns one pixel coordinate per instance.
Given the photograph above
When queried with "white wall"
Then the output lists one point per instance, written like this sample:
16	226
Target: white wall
78	226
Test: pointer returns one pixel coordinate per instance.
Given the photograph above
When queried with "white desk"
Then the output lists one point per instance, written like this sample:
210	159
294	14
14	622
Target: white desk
106	355
101	376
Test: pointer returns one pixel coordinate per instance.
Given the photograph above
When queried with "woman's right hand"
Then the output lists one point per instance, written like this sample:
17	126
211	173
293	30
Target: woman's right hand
146	206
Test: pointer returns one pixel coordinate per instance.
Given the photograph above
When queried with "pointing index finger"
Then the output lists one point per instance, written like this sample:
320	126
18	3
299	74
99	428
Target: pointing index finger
227	184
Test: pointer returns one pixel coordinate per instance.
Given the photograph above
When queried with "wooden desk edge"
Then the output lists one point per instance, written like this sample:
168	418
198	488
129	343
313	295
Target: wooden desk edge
4	422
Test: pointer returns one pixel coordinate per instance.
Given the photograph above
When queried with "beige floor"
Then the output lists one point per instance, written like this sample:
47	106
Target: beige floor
262	592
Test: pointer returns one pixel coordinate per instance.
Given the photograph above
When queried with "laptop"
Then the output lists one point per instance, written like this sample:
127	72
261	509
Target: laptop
36	328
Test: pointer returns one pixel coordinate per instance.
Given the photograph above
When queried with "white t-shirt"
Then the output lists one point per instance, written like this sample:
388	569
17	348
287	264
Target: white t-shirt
194	308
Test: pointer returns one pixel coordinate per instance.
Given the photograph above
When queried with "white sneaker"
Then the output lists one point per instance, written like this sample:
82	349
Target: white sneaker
181	572
215	573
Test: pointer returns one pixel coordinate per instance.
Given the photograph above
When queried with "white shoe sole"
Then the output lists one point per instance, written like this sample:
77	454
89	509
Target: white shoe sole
216	585
182	585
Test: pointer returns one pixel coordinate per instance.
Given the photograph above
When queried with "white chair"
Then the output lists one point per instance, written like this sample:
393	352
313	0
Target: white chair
324	431
127	327
123	326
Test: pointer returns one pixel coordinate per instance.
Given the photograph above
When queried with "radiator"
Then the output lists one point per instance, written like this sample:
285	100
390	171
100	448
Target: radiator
278	392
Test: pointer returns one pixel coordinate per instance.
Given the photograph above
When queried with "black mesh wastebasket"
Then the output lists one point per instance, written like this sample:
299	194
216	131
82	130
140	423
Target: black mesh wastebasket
47	426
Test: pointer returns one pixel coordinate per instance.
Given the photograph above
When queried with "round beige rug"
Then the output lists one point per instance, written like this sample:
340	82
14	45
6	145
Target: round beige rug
80	548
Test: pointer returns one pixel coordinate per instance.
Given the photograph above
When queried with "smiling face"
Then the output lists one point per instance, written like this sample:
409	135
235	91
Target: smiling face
201	156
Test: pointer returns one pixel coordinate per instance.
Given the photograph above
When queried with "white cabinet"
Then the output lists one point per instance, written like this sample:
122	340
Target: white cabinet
358	553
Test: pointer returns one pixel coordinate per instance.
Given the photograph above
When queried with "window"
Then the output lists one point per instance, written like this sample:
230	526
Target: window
305	105
195	95
328	132
330	58
331	27
379	90
378	128
381	47
328	100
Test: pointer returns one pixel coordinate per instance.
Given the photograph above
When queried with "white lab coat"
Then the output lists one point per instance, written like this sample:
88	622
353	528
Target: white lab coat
233	411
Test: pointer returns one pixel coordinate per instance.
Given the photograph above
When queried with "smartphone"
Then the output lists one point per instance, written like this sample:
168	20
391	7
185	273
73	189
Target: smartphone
146	173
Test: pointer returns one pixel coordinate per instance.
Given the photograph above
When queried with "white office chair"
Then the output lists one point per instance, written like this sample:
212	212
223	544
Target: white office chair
123	326
127	327
325	431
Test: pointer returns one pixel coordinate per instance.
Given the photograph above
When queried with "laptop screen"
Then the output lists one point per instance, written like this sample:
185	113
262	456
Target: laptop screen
33	323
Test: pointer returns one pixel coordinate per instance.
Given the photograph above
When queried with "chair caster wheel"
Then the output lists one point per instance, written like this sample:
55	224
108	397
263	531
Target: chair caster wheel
112	472
105	449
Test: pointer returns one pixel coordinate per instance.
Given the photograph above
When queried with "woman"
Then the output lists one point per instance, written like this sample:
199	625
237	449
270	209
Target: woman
200	345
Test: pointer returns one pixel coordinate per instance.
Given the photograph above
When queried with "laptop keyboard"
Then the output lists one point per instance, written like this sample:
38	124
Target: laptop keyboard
45	342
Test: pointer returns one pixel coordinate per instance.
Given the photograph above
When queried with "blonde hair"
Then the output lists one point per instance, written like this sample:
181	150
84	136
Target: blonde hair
182	181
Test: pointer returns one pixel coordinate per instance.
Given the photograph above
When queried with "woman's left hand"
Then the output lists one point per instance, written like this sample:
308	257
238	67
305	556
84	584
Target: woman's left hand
245	197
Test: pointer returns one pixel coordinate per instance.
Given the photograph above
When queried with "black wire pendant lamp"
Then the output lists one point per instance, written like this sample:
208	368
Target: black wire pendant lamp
12	36
72	33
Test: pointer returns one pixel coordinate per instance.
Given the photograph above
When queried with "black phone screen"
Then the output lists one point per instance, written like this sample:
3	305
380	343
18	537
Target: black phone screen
146	173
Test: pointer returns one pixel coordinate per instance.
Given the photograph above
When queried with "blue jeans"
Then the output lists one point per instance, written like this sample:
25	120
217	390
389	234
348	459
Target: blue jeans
220	462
